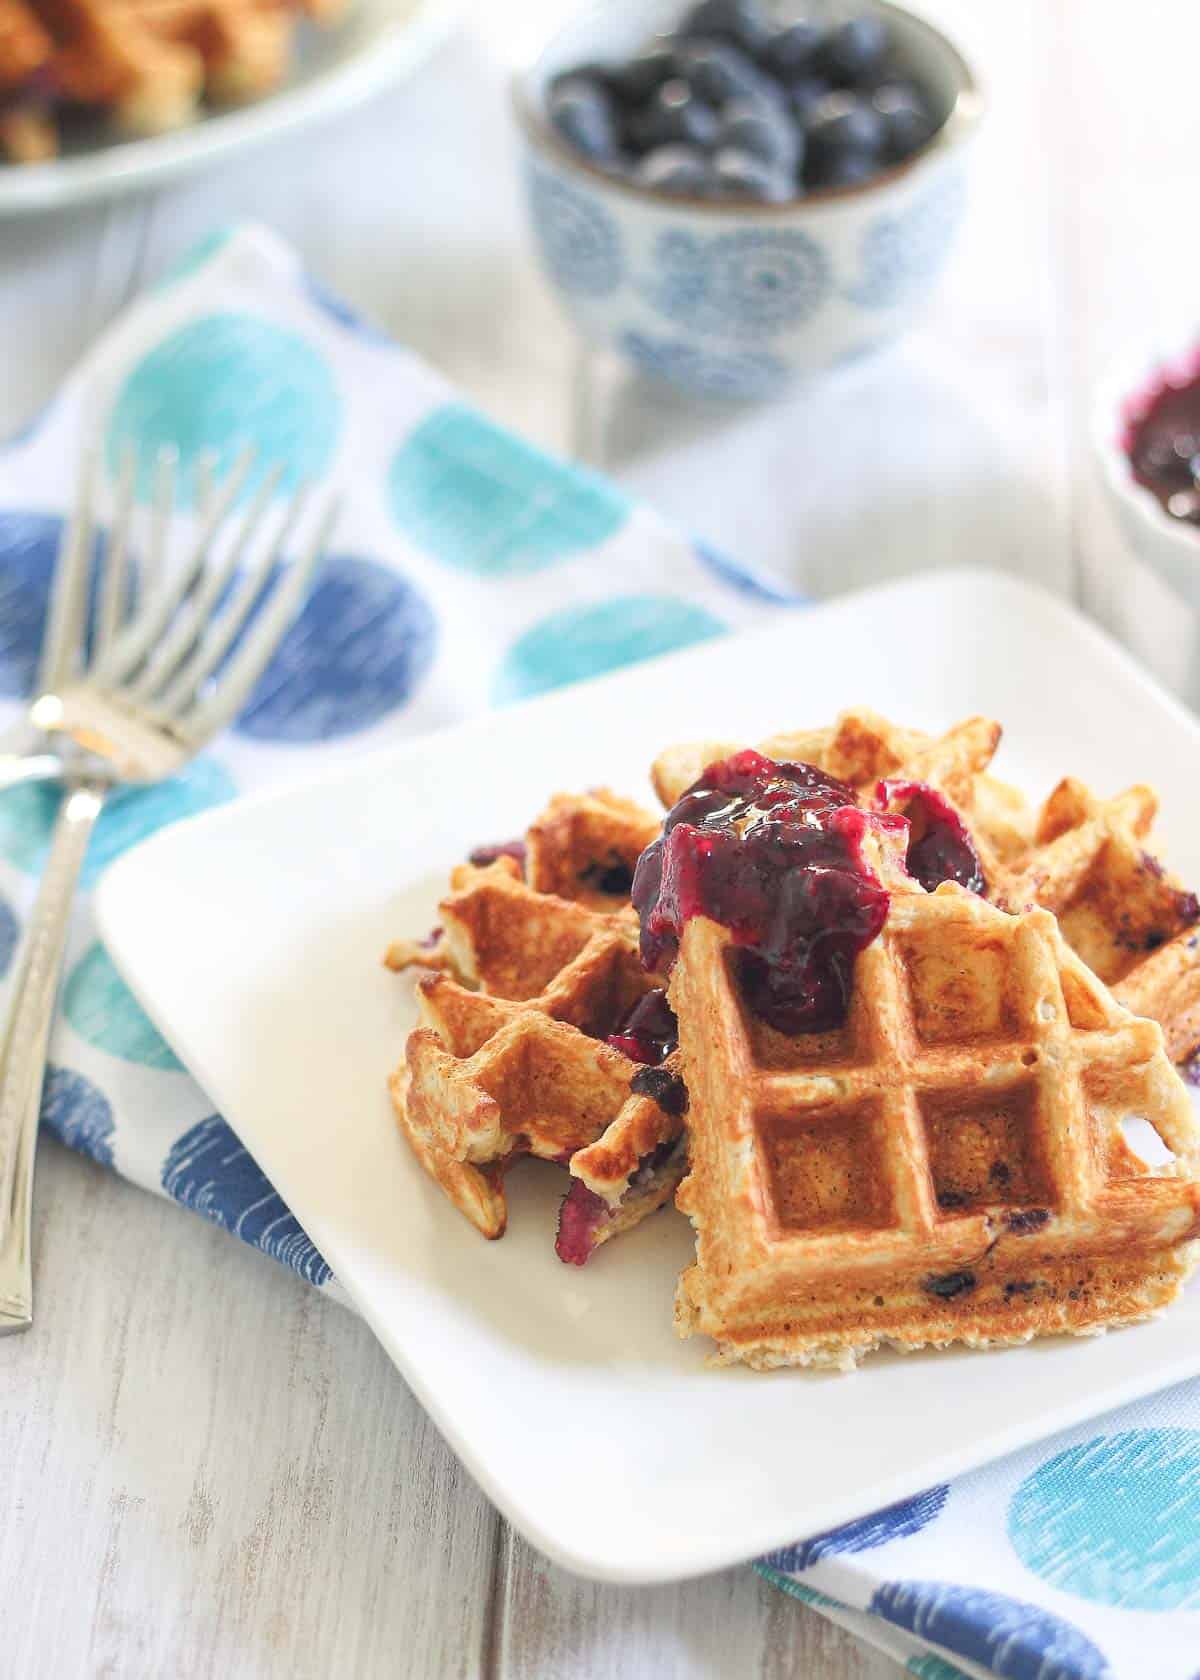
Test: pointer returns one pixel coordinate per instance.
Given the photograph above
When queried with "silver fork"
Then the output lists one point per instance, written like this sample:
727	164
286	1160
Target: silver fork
159	682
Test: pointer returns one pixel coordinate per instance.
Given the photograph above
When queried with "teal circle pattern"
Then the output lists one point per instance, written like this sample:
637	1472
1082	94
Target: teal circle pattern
104	1012
480	500
27	816
1116	1520
221	383
586	641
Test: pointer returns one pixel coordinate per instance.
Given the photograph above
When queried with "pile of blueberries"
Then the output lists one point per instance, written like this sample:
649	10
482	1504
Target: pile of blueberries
731	104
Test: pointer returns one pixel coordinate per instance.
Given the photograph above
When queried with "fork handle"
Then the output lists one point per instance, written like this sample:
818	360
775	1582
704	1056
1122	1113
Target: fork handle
24	1042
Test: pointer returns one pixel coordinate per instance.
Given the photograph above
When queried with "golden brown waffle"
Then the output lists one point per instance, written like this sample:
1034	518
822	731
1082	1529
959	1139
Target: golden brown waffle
509	1058
582	848
1130	920
146	63
949	1167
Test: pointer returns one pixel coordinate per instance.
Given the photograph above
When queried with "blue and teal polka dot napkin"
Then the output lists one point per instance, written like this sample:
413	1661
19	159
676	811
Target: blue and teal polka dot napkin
472	570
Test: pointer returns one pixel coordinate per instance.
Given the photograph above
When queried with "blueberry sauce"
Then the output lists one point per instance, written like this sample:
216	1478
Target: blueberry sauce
773	852
583	1214
1162	441
939	848
613	877
649	1032
481	856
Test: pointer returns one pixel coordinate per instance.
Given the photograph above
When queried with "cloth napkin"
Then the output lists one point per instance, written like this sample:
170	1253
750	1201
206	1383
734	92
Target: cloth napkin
472	569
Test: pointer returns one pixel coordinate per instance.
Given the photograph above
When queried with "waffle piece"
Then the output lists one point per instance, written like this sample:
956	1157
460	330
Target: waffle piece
1130	920
1081	858
510	1058
582	848
948	1167
633	1168
585	847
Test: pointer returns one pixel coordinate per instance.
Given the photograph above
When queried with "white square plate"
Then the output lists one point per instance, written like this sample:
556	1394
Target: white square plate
253	936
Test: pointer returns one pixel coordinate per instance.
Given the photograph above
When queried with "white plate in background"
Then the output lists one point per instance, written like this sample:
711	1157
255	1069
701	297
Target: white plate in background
378	43
253	936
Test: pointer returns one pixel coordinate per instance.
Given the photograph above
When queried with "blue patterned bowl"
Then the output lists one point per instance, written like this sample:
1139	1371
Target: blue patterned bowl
729	299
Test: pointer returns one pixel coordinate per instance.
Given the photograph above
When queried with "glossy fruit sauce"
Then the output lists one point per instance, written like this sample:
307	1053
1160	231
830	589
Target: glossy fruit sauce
773	852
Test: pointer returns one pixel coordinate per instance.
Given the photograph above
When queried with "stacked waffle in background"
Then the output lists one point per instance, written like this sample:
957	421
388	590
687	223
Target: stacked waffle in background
145	65
928	1142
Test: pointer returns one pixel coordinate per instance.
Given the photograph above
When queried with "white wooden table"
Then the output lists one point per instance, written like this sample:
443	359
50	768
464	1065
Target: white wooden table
204	1469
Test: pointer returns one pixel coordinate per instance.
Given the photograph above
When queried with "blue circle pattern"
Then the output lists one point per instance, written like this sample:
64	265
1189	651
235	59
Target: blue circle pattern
481	500
27	816
104	1012
359	649
902	253
751	584
221	383
700	371
753	284
28	553
29	545
1116	1520
10	933
79	1114
209	1171
579	241
895	1522
586	641
1005	1636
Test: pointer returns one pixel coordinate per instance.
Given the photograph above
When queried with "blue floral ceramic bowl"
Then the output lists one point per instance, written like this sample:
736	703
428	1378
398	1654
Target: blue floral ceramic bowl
732	299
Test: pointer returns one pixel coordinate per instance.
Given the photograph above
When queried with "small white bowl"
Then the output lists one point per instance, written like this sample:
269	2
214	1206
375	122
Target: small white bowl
1169	545
737	299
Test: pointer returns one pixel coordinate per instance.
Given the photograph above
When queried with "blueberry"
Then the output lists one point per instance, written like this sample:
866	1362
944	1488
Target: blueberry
674	169
840	169
907	120
673	113
791	50
844	122
753	125
804	95
855	51
743	22
718	71
581	109
738	174
601	73
653	66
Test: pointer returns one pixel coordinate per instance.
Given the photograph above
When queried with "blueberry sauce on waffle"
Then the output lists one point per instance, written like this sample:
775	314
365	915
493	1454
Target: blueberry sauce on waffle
939	848
773	852
650	1031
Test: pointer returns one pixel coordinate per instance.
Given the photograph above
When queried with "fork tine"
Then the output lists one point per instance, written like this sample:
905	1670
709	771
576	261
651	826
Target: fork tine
234	686
143	634
206	480
212	648
68	604
182	635
116	560
166	465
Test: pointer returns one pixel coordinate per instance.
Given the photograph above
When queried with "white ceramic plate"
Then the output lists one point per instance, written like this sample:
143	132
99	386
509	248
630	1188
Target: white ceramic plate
253	936
379	42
